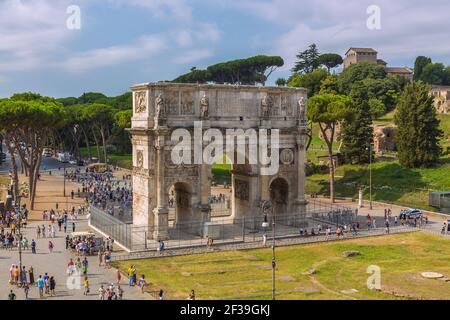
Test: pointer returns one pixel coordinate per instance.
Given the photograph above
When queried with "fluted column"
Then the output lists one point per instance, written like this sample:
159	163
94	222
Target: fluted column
161	212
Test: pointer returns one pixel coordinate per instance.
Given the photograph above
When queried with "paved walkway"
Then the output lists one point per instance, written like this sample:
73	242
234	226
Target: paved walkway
55	264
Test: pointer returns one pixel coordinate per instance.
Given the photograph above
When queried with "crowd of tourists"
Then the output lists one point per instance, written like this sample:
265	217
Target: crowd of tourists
25	278
104	191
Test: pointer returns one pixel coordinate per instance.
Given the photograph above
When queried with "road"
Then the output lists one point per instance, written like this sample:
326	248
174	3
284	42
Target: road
47	163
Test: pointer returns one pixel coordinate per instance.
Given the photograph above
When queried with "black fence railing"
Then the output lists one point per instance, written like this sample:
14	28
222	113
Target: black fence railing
223	230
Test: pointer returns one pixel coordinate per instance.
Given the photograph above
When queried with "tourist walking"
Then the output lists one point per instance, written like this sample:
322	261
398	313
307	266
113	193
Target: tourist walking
264	240
31	275
101	293
33	246
118	277
52	286
85	264
107	259
40	285
50	246
86	285
142	283
12	295
26	290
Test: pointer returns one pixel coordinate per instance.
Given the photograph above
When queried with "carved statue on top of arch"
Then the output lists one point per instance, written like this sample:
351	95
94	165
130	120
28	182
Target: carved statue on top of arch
266	106
302	109
159	106
204	107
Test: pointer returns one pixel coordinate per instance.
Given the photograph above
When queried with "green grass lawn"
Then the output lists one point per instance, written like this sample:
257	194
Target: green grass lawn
221	173
391	182
247	274
121	160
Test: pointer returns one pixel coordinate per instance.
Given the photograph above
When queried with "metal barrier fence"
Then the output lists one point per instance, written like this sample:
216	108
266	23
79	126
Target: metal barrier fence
223	230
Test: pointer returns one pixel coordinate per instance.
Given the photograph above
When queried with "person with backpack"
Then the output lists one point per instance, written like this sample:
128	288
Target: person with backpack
12	295
50	246
33	246
40	285
85	264
86	285
52	286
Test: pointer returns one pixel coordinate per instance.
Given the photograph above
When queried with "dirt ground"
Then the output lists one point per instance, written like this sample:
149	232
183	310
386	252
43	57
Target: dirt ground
49	193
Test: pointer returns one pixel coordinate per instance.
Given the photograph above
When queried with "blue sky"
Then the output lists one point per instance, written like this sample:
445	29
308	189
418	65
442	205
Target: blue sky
123	42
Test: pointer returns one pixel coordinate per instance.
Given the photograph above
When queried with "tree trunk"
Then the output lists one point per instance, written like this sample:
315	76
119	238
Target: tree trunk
105	152
35	179
86	139
329	141
96	143
15	175
330	156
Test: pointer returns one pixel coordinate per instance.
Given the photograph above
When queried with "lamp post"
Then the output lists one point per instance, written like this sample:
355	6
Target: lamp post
64	164
370	176
268	206
20	244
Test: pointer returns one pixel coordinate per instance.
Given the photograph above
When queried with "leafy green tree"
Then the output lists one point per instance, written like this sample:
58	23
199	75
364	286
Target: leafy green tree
194	76
328	110
91	97
311	81
419	65
377	108
359	72
329	85
307	61
417	136
357	134
330	60
69	101
281	82
434	73
29	119
101	117
251	70
121	137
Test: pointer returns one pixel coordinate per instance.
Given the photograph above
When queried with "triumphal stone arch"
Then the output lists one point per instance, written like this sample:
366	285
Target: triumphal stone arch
161	110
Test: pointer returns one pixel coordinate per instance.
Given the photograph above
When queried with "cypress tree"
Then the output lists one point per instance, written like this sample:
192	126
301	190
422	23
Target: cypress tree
357	134
418	133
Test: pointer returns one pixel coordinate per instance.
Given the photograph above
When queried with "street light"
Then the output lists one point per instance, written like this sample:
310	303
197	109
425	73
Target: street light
64	164
20	244
370	175
265	207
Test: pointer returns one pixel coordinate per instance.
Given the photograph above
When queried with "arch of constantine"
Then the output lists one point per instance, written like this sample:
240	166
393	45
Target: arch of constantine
159	109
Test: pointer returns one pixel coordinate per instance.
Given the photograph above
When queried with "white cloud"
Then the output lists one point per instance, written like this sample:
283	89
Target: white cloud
164	9
30	31
408	27
103	57
193	56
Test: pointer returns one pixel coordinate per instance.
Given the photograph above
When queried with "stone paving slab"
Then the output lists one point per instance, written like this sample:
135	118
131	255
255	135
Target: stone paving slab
55	265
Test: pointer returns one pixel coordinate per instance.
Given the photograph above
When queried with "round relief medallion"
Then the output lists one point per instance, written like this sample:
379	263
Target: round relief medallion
287	156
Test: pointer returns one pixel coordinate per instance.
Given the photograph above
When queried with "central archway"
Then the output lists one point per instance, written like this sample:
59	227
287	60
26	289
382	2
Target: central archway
279	195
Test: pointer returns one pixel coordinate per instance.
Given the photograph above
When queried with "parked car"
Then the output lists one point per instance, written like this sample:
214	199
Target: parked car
411	214
63	157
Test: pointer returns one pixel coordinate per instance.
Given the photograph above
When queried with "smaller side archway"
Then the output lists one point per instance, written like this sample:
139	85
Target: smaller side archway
180	199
